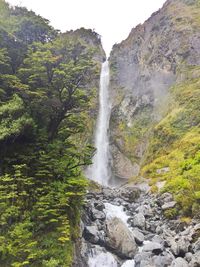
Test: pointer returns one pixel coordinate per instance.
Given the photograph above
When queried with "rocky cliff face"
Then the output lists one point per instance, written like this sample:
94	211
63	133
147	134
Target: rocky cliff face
156	56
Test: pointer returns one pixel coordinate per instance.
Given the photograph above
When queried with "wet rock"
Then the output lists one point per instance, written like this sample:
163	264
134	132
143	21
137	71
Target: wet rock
139	237
90	234
169	205
99	206
179	262
120	239
98	215
139	221
153	247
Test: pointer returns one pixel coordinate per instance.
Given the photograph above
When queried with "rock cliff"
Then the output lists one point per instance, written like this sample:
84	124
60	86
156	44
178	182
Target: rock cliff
158	56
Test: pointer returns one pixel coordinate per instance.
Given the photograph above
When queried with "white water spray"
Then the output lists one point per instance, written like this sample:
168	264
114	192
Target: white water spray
99	171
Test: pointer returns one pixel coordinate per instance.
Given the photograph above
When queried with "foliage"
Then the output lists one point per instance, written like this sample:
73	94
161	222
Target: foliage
175	145
46	92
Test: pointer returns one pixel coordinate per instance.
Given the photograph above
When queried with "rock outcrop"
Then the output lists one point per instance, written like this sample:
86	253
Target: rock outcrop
154	57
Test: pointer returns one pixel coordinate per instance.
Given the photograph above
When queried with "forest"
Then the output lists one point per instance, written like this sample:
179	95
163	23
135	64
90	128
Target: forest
45	94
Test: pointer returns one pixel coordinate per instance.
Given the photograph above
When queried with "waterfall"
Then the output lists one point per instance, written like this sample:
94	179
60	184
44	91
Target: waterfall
99	171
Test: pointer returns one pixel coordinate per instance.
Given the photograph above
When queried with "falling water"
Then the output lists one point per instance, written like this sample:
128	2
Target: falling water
99	171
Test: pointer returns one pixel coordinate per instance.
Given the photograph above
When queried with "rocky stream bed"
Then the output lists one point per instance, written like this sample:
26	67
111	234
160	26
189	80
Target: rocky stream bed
126	227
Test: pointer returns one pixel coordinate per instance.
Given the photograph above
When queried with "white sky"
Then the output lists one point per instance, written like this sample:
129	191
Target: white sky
112	19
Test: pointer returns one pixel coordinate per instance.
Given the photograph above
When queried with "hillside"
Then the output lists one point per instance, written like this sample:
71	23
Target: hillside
155	85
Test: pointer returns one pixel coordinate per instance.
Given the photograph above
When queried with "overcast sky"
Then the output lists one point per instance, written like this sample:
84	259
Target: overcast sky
112	19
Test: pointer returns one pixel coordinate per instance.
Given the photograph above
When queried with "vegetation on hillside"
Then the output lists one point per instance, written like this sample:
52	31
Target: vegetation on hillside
175	145
45	97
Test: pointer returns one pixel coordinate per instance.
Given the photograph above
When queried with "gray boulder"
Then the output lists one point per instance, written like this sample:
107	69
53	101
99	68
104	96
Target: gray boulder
195	262
142	258
90	234
120	239
169	205
139	221
163	260
196	246
153	247
129	193
98	215
99	206
179	262
139	237
180	247
188	256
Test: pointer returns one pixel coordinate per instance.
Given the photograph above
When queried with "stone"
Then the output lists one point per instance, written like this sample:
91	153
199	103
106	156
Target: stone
99	206
196	246
179	262
163	260
169	205
142	257
90	234
180	247
129	193
98	215
120	239
188	256
195	262
158	239
145	210
166	197
153	247
139	221
139	237
163	170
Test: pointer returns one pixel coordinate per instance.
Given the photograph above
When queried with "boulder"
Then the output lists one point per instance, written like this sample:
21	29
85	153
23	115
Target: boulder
120	239
188	256
146	210
195	261
196	246
97	214
129	194
180	247
90	234
139	237
165	198
99	206
154	247
139	221
179	262
169	205
142	258
163	260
